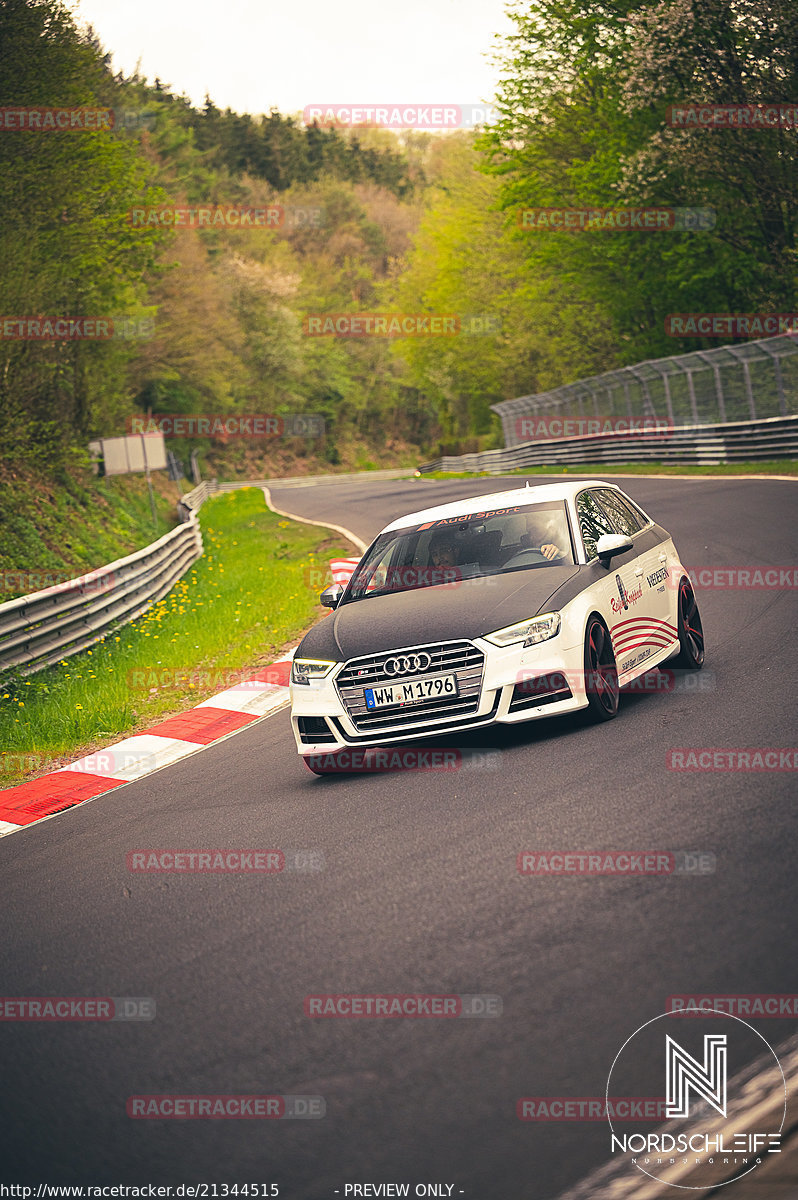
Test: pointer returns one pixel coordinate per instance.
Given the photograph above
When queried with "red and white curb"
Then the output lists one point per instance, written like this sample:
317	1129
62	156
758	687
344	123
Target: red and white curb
264	693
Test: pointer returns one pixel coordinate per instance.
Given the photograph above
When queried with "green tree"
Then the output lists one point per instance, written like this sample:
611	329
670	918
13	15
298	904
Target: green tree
65	246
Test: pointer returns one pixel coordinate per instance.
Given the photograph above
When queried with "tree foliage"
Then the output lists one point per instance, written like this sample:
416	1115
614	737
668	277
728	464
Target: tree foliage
378	223
584	102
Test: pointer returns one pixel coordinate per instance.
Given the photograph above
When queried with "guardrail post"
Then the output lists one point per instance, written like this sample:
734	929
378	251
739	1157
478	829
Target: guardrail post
719	392
693	401
779	380
666	383
749	391
780	385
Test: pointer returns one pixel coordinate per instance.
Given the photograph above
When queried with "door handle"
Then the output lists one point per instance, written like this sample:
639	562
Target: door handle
639	571
663	558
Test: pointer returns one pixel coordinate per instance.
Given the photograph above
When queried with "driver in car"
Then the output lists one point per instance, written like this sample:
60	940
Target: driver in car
537	538
444	552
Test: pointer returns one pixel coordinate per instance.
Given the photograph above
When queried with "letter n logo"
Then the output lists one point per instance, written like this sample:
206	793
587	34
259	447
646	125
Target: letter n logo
684	1072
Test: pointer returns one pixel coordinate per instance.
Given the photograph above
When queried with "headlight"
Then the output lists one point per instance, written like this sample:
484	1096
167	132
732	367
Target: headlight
538	629
303	670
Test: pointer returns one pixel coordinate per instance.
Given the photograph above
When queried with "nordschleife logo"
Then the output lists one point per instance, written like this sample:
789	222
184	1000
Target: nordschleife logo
725	1100
683	1073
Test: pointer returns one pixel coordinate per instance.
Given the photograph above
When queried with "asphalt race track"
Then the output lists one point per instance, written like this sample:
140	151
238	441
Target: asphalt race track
419	893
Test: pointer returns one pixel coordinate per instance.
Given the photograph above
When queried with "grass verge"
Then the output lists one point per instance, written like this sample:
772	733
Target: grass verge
61	525
253	593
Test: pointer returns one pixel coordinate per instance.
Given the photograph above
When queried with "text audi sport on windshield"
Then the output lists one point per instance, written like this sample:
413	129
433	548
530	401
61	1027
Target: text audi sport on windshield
501	608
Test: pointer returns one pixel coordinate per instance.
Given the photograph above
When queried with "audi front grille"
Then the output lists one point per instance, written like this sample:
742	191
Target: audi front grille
458	658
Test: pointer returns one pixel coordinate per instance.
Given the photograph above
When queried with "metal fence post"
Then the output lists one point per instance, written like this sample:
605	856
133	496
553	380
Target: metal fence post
749	391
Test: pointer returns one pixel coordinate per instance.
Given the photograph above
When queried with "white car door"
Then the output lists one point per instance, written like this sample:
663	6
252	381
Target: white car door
650	596
628	607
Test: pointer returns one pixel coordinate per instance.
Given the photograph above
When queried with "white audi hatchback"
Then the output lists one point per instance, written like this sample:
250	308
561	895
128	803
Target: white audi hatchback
496	609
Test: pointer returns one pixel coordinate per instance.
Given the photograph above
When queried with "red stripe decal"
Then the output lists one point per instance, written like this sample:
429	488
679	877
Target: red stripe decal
635	646
621	635
653	635
654	622
641	630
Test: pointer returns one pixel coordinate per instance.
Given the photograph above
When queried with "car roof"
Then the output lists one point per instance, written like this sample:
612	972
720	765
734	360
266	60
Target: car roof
541	493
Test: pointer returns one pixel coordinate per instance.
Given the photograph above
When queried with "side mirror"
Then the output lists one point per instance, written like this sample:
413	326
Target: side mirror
331	595
610	544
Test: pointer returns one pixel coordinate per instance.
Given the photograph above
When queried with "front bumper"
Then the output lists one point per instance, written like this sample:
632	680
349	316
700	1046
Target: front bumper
495	686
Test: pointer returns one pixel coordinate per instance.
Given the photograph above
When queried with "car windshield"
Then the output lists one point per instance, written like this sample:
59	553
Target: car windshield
522	537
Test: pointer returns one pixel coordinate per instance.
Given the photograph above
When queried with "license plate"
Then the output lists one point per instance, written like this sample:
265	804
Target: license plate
411	691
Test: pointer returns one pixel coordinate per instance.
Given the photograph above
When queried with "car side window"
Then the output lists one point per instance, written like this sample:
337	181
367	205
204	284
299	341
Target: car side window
623	518
593	522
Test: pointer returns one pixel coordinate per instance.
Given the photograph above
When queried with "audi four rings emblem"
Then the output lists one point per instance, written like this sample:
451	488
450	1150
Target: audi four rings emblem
407	664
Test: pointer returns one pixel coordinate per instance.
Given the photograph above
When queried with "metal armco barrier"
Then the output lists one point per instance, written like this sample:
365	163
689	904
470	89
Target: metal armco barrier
44	627
192	502
743	441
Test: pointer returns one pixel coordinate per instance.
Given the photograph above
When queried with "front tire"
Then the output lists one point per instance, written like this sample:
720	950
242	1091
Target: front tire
691	630
601	672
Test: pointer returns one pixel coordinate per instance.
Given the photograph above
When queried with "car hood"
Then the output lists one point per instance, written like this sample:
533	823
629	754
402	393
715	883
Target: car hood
468	609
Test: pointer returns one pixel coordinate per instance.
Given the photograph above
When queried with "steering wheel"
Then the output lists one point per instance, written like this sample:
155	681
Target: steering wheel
528	555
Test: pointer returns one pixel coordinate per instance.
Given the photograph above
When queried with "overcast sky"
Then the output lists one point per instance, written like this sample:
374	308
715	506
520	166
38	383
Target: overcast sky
252	55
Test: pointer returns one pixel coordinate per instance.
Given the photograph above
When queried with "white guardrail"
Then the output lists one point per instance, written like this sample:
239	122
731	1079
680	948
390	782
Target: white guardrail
42	628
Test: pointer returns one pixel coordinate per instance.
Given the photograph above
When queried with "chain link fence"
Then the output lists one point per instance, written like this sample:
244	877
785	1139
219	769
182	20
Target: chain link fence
746	382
